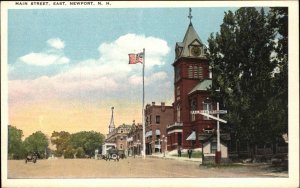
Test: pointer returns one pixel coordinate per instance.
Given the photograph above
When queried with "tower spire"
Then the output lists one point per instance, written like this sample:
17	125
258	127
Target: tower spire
190	15
111	126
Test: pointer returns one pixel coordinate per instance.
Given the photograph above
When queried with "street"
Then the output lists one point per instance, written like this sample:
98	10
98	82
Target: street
133	168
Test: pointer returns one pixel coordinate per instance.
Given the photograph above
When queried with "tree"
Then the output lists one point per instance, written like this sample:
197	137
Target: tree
15	150
37	142
88	140
279	100
243	70
61	140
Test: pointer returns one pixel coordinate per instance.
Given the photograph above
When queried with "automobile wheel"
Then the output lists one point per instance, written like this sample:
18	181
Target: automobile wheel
114	156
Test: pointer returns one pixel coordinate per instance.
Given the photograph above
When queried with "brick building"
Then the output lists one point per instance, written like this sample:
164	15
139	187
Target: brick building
191	82
157	119
119	136
135	140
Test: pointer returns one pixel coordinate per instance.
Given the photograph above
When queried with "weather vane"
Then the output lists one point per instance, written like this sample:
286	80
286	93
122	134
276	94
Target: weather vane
190	15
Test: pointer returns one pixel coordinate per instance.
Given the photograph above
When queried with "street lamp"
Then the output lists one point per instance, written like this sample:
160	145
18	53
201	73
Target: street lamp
165	140
159	146
138	147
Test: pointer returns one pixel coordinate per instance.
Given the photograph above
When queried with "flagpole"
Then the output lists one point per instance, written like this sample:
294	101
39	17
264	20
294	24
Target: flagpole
143	111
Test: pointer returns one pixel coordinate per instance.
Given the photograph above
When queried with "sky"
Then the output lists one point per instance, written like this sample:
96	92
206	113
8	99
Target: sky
68	67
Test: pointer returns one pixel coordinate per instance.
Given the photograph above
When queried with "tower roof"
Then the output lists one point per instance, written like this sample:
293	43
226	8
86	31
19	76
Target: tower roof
191	38
111	124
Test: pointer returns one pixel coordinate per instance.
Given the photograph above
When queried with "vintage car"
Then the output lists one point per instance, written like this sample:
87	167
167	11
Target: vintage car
31	158
112	154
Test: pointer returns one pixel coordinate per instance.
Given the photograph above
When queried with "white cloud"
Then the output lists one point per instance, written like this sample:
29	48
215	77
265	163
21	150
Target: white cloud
110	74
46	58
155	49
56	43
154	78
43	59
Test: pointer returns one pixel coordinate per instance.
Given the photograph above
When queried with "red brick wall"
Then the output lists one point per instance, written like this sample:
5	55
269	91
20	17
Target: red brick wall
186	85
166	114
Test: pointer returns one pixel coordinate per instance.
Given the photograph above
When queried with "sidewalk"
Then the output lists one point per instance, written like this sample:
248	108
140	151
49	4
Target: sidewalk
169	157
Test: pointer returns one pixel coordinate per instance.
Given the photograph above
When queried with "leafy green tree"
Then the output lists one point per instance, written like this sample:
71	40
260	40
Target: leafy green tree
15	150
70	152
278	102
61	140
88	140
80	152
37	142
243	71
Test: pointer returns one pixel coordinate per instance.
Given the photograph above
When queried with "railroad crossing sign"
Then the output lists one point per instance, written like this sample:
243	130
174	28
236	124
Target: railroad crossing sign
208	112
214	117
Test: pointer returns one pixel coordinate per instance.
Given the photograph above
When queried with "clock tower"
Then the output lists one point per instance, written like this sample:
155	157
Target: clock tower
191	81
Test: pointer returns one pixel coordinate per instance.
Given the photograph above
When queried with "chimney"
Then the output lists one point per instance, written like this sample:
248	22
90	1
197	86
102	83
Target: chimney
163	107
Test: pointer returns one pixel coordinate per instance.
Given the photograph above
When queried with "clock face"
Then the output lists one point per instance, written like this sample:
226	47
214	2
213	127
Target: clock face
195	51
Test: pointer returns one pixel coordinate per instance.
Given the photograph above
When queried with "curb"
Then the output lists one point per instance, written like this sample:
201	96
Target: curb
178	159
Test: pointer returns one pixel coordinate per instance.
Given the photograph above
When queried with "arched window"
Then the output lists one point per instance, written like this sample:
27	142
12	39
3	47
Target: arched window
178	112
193	107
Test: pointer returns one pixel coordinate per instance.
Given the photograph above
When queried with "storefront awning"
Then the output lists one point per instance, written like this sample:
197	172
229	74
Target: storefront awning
192	136
149	133
157	132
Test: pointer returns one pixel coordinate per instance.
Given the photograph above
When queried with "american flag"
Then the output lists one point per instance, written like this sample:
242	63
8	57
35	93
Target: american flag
136	58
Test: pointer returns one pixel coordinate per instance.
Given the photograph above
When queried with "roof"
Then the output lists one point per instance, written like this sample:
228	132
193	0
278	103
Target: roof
202	86
192	136
190	38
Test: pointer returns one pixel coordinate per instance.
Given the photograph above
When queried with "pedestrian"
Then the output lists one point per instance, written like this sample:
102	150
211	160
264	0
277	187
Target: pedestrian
190	151
179	152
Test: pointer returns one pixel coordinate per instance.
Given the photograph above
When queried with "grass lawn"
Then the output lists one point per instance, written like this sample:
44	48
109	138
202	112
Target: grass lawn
195	154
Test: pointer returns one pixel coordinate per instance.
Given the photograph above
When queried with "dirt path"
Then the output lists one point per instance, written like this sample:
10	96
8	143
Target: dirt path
129	168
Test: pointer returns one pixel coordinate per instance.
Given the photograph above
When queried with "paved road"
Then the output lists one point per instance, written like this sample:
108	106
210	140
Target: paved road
128	168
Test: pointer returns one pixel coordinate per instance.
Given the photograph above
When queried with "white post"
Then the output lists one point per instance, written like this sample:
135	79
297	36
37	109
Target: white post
143	118
218	154
166	146
218	130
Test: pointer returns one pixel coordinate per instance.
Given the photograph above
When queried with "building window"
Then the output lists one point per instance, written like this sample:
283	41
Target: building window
200	76
193	107
207	105
195	71
121	146
157	119
213	147
190	71
178	113
147	121
177	73
121	138
178	90
208	130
